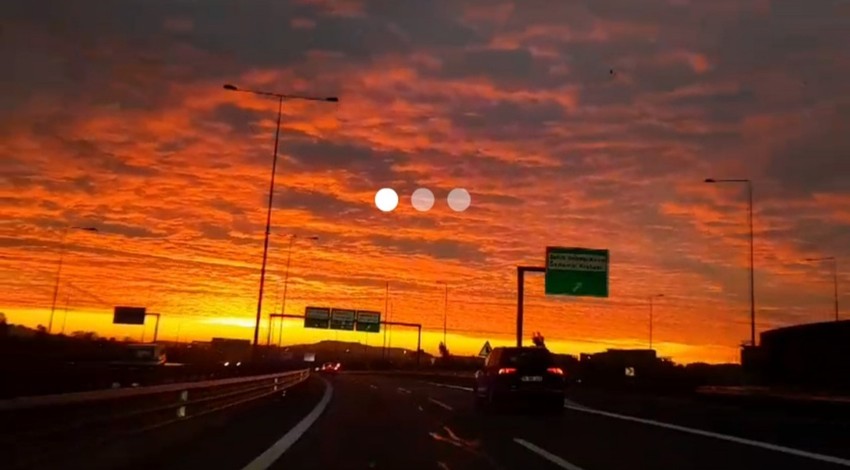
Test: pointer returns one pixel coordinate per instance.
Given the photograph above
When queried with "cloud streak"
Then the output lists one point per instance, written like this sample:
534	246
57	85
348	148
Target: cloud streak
589	123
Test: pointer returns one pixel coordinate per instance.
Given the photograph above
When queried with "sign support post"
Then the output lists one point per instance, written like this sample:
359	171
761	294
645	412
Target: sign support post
156	325
520	293
579	272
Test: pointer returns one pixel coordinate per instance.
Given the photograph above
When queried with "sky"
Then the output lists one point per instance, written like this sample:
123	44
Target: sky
586	123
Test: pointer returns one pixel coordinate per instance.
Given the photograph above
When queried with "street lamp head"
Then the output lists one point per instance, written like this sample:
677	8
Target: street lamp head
230	87
312	238
332	99
87	229
710	180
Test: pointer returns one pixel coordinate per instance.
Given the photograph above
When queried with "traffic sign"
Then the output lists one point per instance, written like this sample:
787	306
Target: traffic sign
485	350
129	315
317	317
368	321
576	271
342	319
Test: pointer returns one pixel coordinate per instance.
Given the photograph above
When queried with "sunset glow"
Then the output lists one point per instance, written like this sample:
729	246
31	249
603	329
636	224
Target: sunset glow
590	124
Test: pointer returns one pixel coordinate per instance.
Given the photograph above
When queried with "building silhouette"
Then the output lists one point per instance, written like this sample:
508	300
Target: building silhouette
807	355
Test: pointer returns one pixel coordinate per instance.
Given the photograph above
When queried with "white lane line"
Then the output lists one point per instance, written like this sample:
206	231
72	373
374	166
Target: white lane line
270	456
404	391
723	437
421	409
546	455
571	404
440	404
454	387
373	387
443	466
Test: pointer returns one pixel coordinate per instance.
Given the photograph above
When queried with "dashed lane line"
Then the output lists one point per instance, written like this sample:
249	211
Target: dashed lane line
547	455
440	404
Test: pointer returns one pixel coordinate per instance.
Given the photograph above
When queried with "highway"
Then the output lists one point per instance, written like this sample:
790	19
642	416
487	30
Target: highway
364	421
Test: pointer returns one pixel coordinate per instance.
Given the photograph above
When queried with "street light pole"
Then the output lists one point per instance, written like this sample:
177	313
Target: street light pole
752	268
752	251
292	238
650	317
834	262
835	284
59	270
386	318
445	311
286	274
280	97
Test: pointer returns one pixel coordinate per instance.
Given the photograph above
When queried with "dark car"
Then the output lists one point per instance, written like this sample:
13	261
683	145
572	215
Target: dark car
525	375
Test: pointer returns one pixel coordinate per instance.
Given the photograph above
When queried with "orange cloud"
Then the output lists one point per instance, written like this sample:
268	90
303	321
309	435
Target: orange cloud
587	124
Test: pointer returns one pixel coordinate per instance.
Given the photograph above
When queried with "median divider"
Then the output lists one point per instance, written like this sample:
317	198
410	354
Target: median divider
49	431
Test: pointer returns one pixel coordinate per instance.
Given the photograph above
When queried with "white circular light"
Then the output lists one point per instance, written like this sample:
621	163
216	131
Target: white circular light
459	199
386	199
422	199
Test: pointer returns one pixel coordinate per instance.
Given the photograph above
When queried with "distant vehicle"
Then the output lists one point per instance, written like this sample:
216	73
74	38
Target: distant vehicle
520	375
331	367
149	355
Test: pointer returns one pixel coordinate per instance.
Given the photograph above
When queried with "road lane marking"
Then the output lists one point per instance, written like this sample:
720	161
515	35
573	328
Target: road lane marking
404	391
443	466
270	456
546	455
571	404
471	446
373	387
421	409
441	404
723	437
454	387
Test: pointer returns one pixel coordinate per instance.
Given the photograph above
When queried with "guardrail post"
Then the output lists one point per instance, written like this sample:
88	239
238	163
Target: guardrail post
184	397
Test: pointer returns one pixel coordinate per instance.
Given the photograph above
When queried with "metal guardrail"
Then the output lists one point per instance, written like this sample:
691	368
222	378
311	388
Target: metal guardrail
768	393
38	429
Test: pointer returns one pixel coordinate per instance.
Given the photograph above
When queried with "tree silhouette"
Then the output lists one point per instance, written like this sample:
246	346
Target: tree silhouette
4	325
85	335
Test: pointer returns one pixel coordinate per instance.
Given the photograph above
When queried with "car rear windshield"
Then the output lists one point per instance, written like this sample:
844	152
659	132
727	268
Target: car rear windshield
531	357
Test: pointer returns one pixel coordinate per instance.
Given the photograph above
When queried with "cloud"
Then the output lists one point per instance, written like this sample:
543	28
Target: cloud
588	123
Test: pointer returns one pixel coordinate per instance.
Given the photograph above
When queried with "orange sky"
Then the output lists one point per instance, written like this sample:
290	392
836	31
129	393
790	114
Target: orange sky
588	123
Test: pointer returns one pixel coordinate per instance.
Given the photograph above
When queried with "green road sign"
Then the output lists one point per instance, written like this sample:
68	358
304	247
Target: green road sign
576	271
342	319
317	317
369	322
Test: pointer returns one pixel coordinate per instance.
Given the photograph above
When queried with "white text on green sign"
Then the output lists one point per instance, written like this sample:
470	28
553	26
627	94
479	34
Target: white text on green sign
577	271
342	319
317	317
368	321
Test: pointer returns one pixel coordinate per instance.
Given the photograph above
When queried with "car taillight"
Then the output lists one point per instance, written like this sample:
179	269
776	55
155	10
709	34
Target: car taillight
507	370
555	370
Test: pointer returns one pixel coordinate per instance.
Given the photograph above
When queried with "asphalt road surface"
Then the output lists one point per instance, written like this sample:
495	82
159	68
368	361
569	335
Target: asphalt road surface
380	422
394	423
